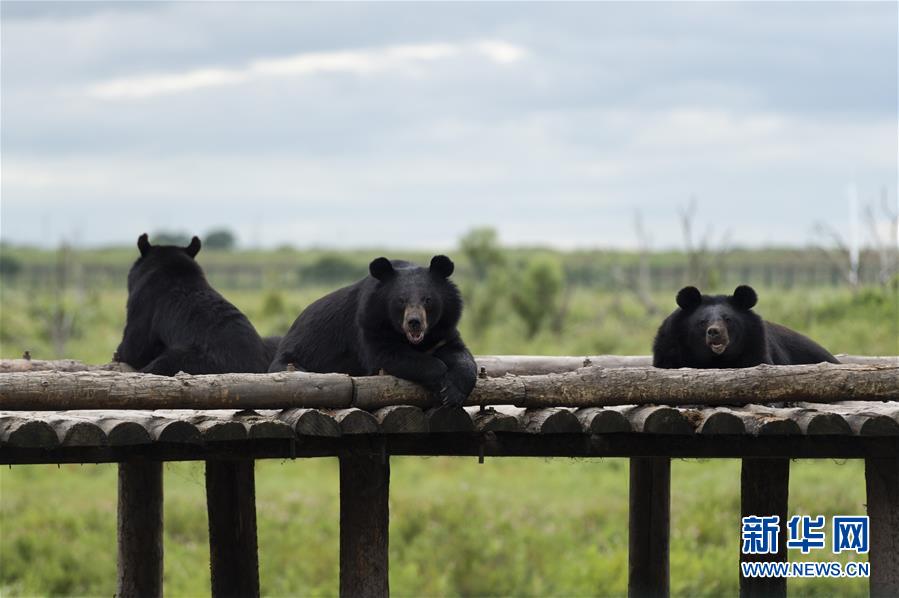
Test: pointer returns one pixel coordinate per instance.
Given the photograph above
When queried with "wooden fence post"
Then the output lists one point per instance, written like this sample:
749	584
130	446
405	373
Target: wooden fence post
140	529
364	522
649	524
231	504
765	487
882	482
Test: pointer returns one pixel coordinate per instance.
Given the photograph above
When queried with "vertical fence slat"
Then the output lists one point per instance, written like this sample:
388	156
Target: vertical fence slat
139	525
649	523
882	482
364	522
231	504
765	487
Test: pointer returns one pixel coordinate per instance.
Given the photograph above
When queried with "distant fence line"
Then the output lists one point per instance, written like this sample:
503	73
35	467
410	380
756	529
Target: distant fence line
602	276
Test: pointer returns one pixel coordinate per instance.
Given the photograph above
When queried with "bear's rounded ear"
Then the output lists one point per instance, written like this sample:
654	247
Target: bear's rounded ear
381	268
688	298
442	266
143	244
194	248
745	297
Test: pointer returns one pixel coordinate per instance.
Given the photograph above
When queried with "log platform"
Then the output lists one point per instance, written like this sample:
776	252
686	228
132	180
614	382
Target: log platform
599	406
810	430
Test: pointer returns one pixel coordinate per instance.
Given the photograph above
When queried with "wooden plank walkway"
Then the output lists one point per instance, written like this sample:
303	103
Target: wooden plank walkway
117	428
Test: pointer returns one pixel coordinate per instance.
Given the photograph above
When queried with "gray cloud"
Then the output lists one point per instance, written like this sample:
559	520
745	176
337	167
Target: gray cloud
757	108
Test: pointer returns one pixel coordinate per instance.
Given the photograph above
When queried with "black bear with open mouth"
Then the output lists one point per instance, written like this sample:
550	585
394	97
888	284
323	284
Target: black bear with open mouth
722	331
401	319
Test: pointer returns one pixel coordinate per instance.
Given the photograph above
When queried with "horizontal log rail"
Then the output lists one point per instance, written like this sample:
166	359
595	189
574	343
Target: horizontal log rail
592	386
489	365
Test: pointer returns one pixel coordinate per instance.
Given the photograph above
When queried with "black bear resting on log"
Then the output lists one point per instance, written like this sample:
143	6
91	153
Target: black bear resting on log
401	319
177	322
719	331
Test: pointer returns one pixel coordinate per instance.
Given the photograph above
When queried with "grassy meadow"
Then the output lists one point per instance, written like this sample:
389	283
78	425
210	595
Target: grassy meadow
508	527
594	322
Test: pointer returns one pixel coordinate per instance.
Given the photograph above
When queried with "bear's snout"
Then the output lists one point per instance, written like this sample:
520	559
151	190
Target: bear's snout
415	323
716	337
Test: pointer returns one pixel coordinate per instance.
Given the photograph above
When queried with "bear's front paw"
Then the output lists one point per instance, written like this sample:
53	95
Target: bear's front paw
450	395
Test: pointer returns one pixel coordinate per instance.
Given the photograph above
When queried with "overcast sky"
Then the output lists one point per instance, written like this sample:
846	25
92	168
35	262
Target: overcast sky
405	124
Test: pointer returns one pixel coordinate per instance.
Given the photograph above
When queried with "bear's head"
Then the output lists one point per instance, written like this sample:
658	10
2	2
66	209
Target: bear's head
170	258
718	328
417	300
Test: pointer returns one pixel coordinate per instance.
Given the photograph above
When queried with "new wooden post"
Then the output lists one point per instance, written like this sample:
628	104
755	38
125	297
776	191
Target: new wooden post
882	481
231	503
765	486
140	529
649	523
364	520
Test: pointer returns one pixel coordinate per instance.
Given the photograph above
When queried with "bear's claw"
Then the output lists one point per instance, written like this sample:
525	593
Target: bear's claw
450	396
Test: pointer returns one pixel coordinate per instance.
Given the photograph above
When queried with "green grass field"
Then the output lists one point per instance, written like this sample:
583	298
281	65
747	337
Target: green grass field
596	322
507	527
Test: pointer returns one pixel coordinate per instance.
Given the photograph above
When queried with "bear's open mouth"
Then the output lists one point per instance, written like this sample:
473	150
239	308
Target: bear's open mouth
717	348
415	337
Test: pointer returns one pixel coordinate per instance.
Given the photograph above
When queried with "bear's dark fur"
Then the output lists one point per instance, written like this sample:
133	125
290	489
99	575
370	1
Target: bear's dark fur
720	331
401	319
177	322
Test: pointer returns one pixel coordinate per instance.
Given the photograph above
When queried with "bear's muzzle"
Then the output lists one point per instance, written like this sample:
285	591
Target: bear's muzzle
716	337
415	323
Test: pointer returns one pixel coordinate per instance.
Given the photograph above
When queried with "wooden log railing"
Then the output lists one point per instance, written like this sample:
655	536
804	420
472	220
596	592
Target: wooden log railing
557	413
491	366
592	386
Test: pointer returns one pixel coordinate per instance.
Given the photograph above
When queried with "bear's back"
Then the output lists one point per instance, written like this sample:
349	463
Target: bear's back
325	337
789	347
205	331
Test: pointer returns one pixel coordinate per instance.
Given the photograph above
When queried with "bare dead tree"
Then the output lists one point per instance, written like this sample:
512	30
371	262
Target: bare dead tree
639	283
62	317
696	250
886	245
835	250
642	285
701	253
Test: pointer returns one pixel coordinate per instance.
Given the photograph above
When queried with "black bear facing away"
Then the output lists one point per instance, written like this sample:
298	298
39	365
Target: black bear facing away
401	319
722	331
177	322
